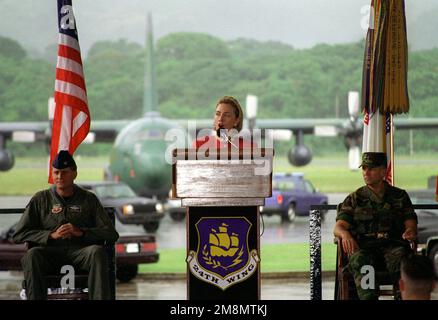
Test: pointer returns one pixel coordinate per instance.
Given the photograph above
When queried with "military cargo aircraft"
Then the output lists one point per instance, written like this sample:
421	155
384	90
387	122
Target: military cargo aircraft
137	156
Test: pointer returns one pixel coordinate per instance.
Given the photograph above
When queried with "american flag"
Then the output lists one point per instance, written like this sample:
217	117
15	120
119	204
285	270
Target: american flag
71	122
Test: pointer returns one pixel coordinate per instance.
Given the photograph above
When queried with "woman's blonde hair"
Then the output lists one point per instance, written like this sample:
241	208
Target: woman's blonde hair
237	109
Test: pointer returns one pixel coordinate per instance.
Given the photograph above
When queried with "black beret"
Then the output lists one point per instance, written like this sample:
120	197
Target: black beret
64	160
373	159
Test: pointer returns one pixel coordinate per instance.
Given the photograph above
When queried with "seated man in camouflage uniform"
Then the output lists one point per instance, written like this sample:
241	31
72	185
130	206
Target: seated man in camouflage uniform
67	226
375	223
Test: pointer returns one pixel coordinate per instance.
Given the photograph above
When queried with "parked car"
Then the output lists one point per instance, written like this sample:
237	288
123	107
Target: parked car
130	208
292	195
427	224
131	250
427	218
173	207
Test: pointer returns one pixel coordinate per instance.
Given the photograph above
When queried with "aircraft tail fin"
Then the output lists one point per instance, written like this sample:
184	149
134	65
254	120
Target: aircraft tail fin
150	101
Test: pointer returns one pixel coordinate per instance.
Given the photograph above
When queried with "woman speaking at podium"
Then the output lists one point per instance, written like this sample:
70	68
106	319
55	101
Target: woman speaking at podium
228	120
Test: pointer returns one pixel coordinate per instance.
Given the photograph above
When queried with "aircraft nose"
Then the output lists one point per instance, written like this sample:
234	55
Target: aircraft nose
156	172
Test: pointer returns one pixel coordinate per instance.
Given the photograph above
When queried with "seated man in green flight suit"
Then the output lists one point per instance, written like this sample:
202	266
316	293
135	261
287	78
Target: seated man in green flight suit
66	225
375	224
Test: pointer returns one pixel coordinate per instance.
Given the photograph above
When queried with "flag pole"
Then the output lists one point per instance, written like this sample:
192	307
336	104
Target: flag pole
391	135
436	190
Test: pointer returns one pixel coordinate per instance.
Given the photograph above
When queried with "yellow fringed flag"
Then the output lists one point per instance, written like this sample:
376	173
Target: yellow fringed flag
395	96
386	59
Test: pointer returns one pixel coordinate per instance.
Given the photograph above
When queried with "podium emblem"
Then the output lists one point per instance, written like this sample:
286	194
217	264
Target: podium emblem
223	257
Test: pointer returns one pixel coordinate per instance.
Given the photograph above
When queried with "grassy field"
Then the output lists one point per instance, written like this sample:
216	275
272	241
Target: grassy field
329	174
274	258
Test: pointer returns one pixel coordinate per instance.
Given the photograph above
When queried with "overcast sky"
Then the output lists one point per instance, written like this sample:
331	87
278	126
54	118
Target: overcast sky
296	22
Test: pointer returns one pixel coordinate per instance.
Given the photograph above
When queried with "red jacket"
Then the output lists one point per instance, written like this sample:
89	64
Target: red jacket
210	142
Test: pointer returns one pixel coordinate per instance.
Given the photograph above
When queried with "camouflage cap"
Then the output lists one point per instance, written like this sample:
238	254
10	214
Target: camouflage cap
64	160
373	159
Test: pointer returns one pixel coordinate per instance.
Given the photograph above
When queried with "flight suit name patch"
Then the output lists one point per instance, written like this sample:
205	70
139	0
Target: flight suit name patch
75	208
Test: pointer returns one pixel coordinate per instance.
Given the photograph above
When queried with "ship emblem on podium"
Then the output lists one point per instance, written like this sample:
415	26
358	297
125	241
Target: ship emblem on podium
223	257
222	243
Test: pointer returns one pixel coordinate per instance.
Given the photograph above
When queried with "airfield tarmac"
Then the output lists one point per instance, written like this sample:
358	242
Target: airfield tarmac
143	287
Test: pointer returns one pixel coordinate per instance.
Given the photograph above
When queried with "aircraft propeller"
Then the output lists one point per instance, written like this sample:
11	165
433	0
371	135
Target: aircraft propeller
300	154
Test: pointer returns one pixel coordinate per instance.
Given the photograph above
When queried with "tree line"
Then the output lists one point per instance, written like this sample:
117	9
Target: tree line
194	70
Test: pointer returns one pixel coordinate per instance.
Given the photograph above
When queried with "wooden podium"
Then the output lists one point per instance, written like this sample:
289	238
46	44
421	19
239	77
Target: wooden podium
222	192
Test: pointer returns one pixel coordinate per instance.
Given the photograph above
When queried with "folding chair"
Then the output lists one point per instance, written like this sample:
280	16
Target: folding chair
80	292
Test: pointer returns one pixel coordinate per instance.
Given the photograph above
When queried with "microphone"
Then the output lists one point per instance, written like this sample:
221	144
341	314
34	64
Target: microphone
222	134
218	132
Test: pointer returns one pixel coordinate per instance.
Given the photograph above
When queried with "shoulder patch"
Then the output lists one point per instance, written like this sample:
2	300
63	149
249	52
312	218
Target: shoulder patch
57	208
